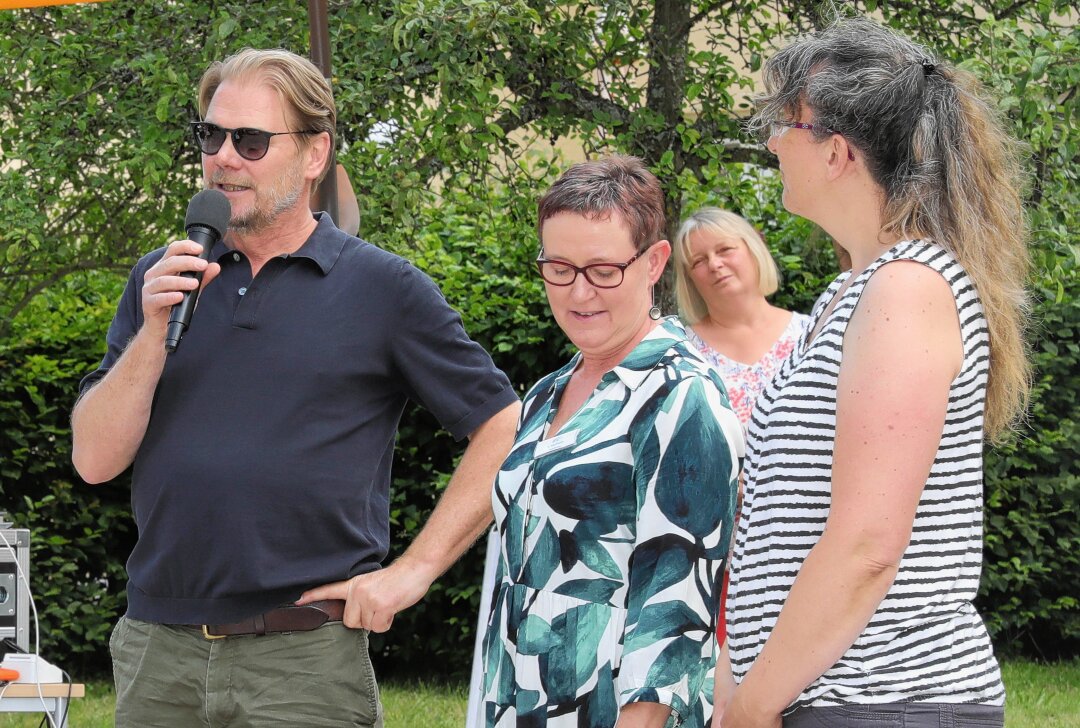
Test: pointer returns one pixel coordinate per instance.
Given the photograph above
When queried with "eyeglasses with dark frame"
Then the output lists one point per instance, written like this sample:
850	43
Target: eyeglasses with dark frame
601	275
777	127
251	144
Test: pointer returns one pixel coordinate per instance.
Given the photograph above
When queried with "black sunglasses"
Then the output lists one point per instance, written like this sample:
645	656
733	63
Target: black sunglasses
251	144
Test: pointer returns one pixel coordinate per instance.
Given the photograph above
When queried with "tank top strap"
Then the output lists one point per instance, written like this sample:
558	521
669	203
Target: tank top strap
922	251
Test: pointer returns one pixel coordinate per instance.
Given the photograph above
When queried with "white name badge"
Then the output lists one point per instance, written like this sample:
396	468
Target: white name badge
554	444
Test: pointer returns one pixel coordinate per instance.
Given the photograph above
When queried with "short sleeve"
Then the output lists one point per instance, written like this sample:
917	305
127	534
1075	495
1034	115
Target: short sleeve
126	321
444	370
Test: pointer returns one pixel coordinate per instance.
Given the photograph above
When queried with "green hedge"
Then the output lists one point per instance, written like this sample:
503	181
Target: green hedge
80	535
1031	581
480	249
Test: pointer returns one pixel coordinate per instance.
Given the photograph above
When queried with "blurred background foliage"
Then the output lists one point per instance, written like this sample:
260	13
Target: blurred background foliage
453	117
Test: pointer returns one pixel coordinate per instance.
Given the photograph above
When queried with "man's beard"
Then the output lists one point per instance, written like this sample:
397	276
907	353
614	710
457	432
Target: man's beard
280	198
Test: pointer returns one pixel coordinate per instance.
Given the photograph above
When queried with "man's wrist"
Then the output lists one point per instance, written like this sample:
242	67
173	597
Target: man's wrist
150	337
418	566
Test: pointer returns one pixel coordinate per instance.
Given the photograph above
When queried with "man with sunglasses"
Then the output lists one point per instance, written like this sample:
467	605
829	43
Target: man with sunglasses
261	447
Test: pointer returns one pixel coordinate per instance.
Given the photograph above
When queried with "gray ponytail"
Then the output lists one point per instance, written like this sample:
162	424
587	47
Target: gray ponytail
938	149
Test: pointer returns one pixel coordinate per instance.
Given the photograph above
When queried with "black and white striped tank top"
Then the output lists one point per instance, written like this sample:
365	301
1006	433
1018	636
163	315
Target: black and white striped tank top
925	642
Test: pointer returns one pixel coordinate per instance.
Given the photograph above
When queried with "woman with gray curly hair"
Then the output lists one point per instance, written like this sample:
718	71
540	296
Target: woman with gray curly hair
859	548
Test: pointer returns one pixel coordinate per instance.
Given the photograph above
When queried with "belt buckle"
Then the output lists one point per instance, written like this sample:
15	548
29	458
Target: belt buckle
207	635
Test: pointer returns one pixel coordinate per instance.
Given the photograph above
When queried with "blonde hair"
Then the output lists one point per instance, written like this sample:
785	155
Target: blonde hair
307	95
692	307
938	148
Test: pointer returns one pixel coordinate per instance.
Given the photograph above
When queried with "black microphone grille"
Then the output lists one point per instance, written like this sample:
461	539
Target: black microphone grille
209	208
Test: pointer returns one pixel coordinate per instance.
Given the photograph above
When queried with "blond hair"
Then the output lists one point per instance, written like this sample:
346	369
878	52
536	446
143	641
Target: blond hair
308	98
692	307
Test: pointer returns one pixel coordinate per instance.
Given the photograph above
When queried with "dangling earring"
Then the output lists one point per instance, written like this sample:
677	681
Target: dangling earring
654	313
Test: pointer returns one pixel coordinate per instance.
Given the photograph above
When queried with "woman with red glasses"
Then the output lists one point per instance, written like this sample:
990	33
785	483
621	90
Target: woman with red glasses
614	509
859	545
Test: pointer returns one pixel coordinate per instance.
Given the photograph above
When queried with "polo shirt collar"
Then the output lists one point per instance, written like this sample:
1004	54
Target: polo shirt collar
325	244
323	247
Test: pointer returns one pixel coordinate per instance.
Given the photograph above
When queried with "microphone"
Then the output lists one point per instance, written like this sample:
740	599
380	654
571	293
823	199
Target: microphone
207	220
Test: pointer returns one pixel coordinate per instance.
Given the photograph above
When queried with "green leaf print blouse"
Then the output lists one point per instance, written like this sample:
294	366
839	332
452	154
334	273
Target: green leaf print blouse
613	535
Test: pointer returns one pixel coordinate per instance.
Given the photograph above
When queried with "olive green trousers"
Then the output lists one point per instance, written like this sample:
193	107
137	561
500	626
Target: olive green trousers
171	676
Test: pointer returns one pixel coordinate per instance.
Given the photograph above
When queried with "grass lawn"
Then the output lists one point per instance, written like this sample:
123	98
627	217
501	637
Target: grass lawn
1040	696
405	706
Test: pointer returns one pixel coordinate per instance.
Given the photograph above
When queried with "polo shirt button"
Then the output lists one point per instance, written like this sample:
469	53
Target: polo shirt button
236	257
242	291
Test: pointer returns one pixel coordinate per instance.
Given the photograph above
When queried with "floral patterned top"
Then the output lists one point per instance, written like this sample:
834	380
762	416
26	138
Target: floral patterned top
613	535
745	382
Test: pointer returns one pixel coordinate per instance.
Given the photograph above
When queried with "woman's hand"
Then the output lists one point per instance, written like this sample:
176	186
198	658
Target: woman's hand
741	712
724	682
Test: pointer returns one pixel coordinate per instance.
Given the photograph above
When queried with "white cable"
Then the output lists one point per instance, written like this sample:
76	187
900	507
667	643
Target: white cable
37	633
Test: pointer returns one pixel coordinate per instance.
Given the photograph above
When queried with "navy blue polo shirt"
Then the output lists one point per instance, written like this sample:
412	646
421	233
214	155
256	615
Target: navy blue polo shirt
265	468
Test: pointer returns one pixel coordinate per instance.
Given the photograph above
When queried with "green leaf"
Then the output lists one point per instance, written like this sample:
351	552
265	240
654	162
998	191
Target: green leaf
226	28
161	111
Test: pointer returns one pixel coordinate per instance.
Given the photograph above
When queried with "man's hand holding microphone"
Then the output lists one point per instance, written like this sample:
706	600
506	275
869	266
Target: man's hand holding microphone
171	286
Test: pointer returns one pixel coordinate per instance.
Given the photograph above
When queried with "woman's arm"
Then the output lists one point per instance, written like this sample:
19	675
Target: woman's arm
643	715
901	351
723	682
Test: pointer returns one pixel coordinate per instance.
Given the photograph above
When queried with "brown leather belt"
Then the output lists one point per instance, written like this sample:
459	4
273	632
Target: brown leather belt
283	619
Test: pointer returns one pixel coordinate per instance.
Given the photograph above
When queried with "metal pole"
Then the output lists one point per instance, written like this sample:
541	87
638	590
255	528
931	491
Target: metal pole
326	196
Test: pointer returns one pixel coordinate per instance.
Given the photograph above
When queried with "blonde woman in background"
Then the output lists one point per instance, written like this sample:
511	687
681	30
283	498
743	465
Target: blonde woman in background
723	276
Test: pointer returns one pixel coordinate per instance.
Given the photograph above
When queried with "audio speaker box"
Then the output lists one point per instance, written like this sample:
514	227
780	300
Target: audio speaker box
14	591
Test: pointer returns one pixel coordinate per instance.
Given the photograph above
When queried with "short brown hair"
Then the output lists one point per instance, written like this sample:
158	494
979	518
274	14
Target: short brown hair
307	95
597	188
